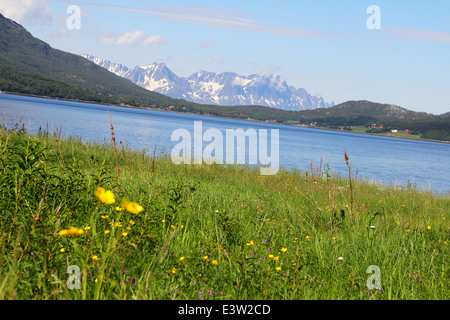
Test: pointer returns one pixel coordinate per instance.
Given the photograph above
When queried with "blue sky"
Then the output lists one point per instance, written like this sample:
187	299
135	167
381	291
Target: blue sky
323	46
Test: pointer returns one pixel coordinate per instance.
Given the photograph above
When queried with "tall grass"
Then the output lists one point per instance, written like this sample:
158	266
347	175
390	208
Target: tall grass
207	231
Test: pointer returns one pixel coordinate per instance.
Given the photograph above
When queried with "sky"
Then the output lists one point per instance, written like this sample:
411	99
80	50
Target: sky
394	51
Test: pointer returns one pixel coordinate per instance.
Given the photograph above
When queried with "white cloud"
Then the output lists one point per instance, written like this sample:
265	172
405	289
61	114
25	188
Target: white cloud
30	11
154	40
244	21
136	38
422	35
218	18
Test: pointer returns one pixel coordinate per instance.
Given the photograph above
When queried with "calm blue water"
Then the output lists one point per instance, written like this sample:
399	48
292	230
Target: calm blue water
383	159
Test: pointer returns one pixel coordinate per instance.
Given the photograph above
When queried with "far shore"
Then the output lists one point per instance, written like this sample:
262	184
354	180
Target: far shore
215	116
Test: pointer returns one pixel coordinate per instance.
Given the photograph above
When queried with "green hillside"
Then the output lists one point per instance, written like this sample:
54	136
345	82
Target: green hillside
25	55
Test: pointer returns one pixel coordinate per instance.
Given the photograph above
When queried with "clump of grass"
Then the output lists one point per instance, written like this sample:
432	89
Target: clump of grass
206	231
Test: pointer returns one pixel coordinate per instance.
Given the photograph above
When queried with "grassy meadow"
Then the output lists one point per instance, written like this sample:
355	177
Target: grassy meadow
163	231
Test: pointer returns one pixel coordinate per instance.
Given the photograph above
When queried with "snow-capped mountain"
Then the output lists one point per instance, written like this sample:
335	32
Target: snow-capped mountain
221	89
116	68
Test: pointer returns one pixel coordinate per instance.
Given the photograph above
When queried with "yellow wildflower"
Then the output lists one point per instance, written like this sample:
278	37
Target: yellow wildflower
87	228
174	270
132	207
283	249
214	262
205	257
107	231
62	250
124	234
105	196
105	217
132	222
95	258
181	258
429	227
278	268
72	231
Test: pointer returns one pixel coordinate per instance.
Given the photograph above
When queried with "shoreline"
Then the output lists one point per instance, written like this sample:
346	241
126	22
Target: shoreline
215	116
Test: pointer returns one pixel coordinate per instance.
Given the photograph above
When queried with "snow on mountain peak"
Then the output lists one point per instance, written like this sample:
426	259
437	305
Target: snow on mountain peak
226	88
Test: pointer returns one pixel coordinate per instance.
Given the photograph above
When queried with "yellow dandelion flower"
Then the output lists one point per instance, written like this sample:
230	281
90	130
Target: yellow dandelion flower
105	196
334	238
174	270
181	258
95	258
105	217
72	231
270	256
214	262
124	234
205	257
407	230
283	249
278	268
132	222
429	227
182	226
128	228
107	231
163	221
87	228
62	250
132	207
118	224
173	227
276	258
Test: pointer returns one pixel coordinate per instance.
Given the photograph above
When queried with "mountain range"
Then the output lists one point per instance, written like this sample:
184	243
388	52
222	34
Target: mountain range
227	88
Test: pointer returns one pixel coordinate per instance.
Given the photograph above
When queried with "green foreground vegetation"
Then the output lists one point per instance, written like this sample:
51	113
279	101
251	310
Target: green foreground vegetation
206	231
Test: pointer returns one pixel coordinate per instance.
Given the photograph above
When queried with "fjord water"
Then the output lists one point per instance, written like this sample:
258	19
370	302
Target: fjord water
386	160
